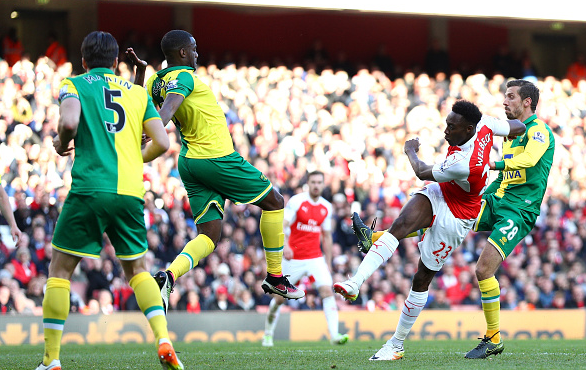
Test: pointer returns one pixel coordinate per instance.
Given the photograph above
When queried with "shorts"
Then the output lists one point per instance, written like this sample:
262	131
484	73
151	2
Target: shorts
316	267
209	182
85	218
446	232
509	223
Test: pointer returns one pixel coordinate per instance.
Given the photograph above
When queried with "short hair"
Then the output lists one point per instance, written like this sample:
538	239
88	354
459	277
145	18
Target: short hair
468	110
526	90
99	50
175	40
315	173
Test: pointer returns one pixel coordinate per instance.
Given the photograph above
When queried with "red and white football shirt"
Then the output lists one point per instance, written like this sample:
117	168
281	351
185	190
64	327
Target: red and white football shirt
307	219
464	175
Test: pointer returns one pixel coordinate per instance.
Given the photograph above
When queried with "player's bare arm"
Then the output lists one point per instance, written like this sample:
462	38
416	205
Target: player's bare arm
422	170
159	142
69	114
140	66
518	128
170	106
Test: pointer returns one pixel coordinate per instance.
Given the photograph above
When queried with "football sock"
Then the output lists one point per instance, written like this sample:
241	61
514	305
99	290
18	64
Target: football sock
379	253
55	312
195	250
411	309
331	311
490	295
272	317
148	297
273	238
377	234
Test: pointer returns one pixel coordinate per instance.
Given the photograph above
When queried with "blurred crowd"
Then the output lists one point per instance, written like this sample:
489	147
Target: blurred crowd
288	121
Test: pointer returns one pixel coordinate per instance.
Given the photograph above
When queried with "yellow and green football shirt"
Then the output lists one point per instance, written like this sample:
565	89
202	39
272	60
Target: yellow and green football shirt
200	120
525	167
107	145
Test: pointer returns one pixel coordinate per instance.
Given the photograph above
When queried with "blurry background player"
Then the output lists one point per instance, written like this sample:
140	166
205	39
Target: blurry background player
308	216
105	116
211	170
511	203
448	206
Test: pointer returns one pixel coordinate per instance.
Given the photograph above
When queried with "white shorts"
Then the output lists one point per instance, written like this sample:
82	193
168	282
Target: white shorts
316	267
446	232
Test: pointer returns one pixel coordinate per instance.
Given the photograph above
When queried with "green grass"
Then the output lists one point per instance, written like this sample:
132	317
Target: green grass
519	354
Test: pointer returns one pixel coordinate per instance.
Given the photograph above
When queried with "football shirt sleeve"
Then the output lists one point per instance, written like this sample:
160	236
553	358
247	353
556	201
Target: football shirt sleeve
150	111
498	126
537	144
67	90
453	168
291	209
327	224
183	84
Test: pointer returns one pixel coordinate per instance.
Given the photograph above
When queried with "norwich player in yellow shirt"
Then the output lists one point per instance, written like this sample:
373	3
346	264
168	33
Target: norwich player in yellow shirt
105	117
210	168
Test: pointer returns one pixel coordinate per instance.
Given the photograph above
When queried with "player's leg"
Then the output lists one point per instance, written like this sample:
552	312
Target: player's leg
323	281
510	225
56	306
207	207
295	269
127	232
416	214
80	226
367	236
414	303
271	230
148	298
272	319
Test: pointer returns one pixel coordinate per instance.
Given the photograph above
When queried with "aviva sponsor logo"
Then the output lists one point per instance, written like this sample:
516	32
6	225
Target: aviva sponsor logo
514	177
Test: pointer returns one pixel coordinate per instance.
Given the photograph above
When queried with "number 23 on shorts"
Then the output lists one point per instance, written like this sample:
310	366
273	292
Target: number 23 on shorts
443	252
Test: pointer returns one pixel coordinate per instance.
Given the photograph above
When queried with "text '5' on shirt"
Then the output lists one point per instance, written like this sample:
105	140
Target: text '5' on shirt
108	154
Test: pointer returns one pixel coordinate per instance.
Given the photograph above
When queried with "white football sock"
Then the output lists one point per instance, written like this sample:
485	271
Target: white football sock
413	306
272	317
379	253
331	311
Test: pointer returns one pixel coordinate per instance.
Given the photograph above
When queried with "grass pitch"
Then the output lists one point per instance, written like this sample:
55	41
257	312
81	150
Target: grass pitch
519	354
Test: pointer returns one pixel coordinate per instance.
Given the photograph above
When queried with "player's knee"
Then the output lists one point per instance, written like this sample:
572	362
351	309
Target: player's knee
273	201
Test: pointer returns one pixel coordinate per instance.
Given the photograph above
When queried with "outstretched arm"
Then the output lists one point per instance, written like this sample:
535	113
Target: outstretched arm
422	170
140	66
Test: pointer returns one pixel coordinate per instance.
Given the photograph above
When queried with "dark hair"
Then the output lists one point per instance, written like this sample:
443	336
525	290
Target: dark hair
315	173
526	90
175	40
99	50
468	110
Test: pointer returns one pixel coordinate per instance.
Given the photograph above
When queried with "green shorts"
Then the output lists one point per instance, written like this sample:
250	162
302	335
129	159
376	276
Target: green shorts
209	182
85	218
508	222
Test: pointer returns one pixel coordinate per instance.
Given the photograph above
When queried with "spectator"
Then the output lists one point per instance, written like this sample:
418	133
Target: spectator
24	268
55	51
12	47
577	70
222	301
440	301
436	59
